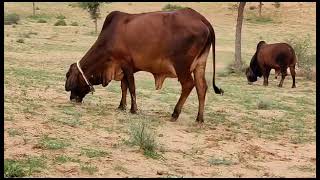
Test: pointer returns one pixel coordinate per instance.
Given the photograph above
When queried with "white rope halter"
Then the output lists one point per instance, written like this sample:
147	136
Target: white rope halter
84	77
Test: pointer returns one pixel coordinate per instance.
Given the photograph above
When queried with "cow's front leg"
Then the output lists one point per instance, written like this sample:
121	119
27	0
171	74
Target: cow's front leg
132	89
266	74
124	89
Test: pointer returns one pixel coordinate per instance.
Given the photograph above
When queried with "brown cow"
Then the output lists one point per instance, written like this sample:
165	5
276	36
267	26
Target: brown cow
171	44
277	56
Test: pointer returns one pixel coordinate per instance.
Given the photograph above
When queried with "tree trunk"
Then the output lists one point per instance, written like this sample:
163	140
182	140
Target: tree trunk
34	9
260	8
238	62
95	24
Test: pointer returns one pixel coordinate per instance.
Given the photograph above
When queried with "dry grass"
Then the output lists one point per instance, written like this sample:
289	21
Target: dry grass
279	139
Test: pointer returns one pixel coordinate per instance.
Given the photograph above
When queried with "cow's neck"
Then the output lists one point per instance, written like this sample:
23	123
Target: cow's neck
92	65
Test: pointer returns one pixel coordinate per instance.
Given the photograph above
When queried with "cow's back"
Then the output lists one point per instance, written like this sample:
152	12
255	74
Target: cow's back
154	40
275	55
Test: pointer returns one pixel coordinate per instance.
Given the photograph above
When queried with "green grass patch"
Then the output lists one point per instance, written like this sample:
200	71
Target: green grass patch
60	16
140	135
37	17
23	167
41	21
52	143
60	22
219	161
12	18
14	132
64	158
120	168
91	153
263	104
88	168
69	121
74	24
172	7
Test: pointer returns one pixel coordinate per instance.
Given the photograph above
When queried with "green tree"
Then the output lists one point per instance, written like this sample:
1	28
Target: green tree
94	10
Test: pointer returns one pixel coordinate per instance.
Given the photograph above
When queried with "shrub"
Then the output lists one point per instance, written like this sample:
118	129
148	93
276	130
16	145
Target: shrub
13	169
172	7
252	7
74	24
60	22
11	19
20	41
39	16
231	68
41	21
37	8
263	104
276	4
305	58
233	7
60	16
259	20
142	137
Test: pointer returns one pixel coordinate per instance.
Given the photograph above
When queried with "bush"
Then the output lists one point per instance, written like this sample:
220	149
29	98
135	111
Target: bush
13	169
140	136
231	68
276	4
11	19
74	24
170	7
252	7
263	104
20	41
233	7
60	16
60	22
305	58
41	21
259	20
39	16
37	8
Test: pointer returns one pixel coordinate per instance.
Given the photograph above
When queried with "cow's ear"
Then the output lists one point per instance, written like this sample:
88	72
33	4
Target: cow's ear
113	71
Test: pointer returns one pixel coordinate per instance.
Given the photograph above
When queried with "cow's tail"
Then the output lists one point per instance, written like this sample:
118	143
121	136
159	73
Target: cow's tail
213	41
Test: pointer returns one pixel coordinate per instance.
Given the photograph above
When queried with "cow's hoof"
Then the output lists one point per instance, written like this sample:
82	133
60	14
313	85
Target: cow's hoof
173	119
122	108
293	86
279	85
133	111
199	120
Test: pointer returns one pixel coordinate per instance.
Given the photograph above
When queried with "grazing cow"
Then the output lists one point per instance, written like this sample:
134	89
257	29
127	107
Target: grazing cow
277	56
172	44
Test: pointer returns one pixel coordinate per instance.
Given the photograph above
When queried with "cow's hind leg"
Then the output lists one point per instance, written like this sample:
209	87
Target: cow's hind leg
293	74
187	85
283	76
201	86
124	89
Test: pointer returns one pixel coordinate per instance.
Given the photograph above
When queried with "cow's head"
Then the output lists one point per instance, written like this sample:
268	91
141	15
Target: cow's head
251	77
103	74
254	71
76	84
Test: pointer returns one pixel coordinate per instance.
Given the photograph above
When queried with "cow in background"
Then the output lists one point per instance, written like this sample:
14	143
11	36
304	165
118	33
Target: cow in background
278	56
